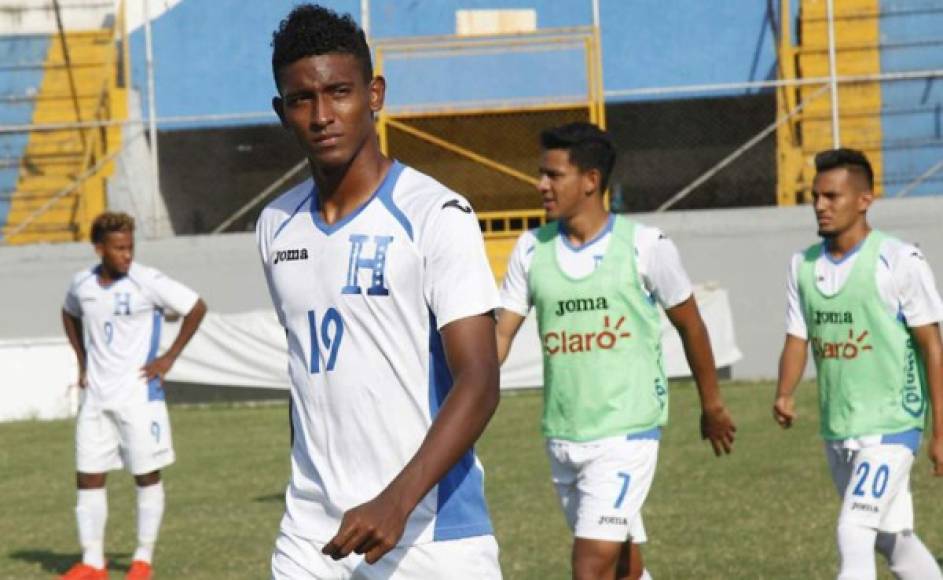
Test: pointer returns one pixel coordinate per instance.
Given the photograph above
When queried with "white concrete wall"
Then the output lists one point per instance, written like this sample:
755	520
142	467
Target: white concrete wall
38	17
746	251
224	269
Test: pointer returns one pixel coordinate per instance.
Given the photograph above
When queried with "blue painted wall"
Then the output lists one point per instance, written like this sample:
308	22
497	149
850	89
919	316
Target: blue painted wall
214	57
14	109
912	122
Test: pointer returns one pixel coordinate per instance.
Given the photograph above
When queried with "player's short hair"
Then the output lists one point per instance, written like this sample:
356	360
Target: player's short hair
589	147
109	222
311	30
851	159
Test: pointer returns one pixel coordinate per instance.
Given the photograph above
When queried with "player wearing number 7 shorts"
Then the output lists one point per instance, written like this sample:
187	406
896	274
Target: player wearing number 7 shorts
596	281
112	317
867	305
379	276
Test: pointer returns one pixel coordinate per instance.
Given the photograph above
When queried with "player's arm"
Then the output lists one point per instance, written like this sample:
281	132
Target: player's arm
716	424
928	341
160	366
375	527
509	322
74	332
514	295
792	361
791	366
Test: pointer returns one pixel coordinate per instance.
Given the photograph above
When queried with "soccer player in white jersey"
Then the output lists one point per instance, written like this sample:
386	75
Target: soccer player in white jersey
112	318
868	306
379	275
596	280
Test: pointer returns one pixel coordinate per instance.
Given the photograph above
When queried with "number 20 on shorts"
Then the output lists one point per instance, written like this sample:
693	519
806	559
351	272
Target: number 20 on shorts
330	332
878	484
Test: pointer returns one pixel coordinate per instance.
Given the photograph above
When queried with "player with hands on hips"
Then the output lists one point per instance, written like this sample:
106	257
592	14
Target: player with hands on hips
112	317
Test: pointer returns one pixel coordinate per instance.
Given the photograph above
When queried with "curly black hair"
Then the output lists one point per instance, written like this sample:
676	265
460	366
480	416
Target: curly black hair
311	30
589	147
109	222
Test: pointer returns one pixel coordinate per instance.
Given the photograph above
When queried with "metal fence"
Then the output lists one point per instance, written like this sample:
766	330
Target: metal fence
690	146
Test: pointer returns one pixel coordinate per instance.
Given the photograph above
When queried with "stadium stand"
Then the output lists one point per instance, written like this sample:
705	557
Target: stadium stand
896	121
74	76
19	78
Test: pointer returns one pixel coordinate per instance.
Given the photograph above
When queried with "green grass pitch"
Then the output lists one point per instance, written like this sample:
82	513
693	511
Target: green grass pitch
768	511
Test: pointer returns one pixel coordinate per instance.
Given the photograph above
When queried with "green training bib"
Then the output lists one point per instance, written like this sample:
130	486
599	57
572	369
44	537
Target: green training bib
601	338
871	378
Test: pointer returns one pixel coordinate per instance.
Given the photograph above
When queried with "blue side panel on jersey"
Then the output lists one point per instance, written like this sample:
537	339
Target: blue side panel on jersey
653	433
461	511
155	392
909	439
294	213
384	192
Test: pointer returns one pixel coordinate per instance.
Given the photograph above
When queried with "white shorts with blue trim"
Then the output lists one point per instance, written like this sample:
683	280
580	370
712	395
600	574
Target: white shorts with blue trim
603	484
872	475
474	558
134	435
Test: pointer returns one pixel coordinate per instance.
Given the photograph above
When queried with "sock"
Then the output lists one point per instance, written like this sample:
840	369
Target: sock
908	557
856	548
645	575
91	513
150	512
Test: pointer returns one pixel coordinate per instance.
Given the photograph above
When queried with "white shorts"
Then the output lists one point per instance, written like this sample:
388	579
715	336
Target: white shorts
134	436
874	483
603	484
475	558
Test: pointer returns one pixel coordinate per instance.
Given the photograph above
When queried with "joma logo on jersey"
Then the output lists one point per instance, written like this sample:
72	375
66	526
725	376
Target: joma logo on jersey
822	317
564	342
613	520
375	265
581	305
290	255
842	350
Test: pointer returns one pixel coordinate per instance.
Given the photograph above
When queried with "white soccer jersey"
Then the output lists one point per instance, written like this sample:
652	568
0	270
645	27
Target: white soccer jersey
659	266
362	301
121	323
904	280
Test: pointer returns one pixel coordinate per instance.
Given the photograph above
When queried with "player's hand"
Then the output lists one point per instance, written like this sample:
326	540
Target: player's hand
784	411
935	451
718	427
159	367
371	529
83	380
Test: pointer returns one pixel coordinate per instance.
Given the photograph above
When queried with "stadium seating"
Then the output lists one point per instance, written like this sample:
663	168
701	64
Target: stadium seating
17	81
896	122
60	183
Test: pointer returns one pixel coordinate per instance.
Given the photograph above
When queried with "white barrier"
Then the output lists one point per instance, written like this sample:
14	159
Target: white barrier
39	377
249	350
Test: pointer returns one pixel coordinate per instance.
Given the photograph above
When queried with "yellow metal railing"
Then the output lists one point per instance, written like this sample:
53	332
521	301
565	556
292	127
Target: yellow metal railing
510	224
857	36
492	177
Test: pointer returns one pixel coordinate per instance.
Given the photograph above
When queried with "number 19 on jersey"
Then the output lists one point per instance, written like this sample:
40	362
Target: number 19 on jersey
330	333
